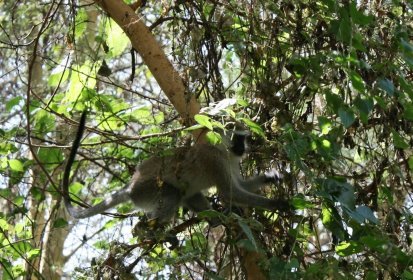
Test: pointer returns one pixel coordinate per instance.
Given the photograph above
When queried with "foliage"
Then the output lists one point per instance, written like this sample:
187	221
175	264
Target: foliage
325	86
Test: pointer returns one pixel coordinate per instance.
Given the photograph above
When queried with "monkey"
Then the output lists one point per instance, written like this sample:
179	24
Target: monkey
161	184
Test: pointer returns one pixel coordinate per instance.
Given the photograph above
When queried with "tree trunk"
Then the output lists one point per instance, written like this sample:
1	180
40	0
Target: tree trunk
50	262
153	56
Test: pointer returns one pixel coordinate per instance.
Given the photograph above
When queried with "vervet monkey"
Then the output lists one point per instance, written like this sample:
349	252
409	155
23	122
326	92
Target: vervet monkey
161	184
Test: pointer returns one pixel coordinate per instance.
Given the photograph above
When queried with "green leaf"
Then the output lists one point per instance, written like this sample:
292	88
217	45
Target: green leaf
101	244
371	275
104	103
300	203
75	188
246	244
110	224
18	270
246	229
143	113
387	86
332	221
112	122
407	51
194	127
124	208
7	267
336	189
381	102
19	200
210	214
281	269
82	77
296	145
345	249
374	242
357	81
347	197
33	253
253	127
75	87
44	122
406	86
324	124
407	275
297	66
18	228
5	192
345	30
242	102
50	156
358	16
334	101
13	102
408	111
327	216
81	21
204	121
117	40
60	223
367	213
4	225
358	42
37	194
364	106
59	74
16	165
386	194
23	246
410	162
398	141
6	148
213	137
346	116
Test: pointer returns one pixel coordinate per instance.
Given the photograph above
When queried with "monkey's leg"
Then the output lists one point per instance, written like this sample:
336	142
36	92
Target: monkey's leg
166	203
197	203
242	197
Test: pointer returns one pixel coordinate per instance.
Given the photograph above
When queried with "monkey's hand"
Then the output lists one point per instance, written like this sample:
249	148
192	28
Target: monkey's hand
273	176
282	205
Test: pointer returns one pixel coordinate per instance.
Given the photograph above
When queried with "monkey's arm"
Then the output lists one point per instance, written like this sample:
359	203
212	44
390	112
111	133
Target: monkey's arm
252	184
198	203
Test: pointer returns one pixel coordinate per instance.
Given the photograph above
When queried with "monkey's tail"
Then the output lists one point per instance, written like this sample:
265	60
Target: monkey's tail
115	199
65	184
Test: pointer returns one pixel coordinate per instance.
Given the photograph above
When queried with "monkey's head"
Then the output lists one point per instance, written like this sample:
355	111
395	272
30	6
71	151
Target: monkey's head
239	143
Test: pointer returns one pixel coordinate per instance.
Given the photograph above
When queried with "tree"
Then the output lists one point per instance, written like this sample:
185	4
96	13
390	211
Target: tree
325	88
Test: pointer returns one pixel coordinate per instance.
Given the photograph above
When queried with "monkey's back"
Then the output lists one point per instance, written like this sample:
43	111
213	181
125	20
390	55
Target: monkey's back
189	170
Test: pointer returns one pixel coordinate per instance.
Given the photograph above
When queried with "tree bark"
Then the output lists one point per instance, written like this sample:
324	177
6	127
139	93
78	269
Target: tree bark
50	262
153	56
